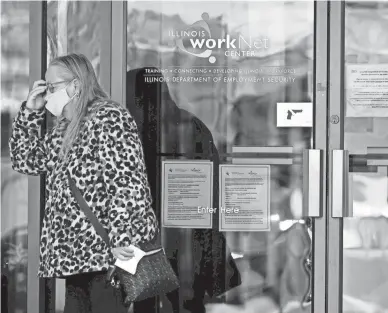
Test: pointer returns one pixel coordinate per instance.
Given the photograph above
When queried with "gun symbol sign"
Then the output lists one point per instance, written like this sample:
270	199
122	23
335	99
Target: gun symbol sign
291	113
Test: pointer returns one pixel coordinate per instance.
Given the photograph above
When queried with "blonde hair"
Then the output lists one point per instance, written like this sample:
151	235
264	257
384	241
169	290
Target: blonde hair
77	66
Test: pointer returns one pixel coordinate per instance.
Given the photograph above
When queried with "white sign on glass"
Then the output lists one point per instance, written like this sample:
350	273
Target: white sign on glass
187	186
366	90
244	198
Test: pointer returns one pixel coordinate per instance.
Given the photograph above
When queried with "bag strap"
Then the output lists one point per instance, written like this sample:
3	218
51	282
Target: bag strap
88	212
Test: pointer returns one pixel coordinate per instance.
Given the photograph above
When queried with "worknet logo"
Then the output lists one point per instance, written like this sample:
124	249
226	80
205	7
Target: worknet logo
197	40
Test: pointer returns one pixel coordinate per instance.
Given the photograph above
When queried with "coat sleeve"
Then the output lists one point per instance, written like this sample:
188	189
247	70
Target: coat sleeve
132	219
29	153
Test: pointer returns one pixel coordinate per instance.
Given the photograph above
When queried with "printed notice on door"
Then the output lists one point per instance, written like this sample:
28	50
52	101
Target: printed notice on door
187	187
367	90
244	198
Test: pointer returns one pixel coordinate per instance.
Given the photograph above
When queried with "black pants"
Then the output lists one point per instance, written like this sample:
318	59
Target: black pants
89	293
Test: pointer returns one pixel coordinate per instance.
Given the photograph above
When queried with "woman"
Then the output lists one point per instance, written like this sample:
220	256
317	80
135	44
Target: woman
96	141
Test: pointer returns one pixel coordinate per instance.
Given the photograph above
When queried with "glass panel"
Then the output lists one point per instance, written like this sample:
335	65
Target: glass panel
365	235
68	32
14	186
258	54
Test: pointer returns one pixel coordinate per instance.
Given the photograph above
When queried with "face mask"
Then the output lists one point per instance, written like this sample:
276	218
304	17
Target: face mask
57	101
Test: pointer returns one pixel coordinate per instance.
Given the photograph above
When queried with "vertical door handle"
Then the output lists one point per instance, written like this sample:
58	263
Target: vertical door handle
312	182
312	205
341	196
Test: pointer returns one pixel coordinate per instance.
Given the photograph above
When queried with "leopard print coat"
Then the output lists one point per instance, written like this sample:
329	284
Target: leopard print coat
107	164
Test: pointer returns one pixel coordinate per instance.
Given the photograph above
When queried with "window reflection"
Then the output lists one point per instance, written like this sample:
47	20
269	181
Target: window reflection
14	192
68	32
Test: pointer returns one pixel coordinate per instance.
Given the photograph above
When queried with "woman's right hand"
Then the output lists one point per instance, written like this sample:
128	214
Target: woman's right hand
35	100
123	253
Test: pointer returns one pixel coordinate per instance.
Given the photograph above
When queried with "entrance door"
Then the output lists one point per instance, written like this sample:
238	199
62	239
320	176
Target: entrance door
358	225
235	90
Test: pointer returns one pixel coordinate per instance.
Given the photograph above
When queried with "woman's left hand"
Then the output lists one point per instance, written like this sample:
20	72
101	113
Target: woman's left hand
123	253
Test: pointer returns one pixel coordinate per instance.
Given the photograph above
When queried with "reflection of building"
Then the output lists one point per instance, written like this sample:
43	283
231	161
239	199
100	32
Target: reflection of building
14	54
14	188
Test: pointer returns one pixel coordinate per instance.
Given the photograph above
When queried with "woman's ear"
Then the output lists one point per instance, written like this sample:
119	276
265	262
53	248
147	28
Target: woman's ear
77	87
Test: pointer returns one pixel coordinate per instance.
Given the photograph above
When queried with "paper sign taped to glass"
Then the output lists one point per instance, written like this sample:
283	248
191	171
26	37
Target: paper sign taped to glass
187	187
244	198
366	90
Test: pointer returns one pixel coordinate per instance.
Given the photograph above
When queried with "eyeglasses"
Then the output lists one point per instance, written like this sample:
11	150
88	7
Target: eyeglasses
50	86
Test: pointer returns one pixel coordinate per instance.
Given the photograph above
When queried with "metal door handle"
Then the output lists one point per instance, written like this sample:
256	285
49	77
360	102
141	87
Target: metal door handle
312	182
269	155
341	196
377	156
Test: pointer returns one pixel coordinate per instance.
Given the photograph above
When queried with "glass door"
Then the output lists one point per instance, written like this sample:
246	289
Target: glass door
358	141
240	86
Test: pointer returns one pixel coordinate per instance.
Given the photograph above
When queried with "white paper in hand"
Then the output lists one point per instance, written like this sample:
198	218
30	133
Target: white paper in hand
131	265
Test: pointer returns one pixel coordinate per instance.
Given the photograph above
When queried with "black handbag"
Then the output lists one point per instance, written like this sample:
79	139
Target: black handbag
154	275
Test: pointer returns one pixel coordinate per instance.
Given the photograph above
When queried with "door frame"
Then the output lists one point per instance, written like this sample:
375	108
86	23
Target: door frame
319	248
37	289
336	121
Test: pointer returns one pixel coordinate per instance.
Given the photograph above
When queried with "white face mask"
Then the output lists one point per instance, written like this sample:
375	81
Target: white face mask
57	101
